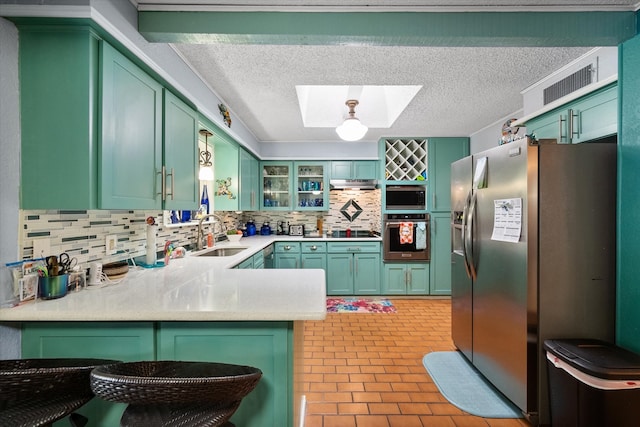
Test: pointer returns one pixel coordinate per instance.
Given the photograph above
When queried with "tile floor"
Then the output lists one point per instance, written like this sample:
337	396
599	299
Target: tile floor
365	370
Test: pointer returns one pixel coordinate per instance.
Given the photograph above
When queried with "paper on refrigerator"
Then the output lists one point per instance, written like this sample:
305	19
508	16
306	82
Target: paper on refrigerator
507	220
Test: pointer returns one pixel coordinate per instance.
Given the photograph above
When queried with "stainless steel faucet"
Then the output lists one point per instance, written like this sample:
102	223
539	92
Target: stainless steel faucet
200	237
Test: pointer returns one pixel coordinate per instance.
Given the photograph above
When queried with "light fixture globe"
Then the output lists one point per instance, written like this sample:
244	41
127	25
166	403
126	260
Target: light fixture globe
351	129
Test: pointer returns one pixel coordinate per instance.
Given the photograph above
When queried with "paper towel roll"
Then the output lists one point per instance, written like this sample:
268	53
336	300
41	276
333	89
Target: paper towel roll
151	244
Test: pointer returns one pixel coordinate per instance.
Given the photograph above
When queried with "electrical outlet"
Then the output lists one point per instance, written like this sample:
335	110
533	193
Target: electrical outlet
111	244
41	248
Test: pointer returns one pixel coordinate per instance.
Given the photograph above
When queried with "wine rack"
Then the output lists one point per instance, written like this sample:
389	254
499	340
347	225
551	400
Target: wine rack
405	159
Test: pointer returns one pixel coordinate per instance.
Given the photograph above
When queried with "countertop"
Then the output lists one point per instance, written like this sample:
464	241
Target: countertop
195	288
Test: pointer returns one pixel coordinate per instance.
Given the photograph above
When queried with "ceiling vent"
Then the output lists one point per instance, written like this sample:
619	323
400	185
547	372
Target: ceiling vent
569	84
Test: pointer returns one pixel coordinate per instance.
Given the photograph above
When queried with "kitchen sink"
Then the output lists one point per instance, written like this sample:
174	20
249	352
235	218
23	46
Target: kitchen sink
223	251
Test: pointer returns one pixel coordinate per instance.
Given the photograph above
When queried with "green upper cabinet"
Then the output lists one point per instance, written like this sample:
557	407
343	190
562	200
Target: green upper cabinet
249	190
131	135
311	186
150	133
180	153
357	169
590	117
59	75
226	162
276	185
442	152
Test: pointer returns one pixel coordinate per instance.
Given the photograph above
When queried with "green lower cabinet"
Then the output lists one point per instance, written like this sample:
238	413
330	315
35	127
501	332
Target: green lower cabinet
246	264
287	254
265	345
353	274
127	342
440	283
314	255
406	279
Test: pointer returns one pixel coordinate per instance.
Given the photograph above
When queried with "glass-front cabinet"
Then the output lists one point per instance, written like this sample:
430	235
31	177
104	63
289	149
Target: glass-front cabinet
294	186
311	186
277	185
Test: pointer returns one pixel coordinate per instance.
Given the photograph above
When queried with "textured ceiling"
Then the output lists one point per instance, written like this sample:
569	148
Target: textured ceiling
464	89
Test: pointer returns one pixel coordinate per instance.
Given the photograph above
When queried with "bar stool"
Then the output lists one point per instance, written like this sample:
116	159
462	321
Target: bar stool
37	392
174	393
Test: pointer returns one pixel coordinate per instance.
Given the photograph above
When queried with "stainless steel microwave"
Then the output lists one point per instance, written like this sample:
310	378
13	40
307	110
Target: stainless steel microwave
406	197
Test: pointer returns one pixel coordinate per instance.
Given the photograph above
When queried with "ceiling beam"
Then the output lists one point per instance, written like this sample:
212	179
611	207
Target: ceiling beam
482	29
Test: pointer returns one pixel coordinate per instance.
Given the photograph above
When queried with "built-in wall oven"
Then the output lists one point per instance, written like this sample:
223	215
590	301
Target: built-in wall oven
406	237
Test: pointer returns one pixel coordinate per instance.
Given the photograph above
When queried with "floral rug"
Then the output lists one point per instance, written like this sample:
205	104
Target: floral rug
359	305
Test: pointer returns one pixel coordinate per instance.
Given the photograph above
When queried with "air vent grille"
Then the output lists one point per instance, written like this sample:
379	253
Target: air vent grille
569	84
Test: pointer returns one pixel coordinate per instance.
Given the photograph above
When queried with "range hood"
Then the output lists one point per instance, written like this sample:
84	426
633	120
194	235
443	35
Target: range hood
353	184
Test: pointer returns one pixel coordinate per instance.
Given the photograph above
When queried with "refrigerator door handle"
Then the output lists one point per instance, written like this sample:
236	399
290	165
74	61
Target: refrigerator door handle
463	231
468	238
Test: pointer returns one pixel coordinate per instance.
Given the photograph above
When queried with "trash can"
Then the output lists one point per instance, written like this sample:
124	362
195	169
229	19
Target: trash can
592	384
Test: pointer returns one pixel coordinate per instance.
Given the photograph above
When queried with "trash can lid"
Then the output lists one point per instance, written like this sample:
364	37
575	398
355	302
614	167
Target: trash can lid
597	358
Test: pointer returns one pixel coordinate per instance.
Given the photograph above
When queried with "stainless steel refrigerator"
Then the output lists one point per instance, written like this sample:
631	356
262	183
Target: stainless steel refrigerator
533	258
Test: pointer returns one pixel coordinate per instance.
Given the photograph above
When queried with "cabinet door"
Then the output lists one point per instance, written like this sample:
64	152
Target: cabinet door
340	170
267	346
395	279
552	125
417	279
246	264
59	73
284	260
311	186
128	342
440	266
180	153
595	116
340	274
365	169
226	168
131	137
366	274
276	186
314	260
443	152
248	193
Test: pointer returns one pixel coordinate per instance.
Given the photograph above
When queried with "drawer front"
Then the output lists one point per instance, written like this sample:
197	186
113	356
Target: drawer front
314	247
288	247
355	247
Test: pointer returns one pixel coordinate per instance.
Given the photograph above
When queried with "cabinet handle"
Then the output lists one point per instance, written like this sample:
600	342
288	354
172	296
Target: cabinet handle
351	266
356	265
173	180
573	129
163	183
287	248
314	248
560	131
409	277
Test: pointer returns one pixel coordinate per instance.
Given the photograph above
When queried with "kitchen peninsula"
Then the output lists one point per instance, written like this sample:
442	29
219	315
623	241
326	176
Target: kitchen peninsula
196	308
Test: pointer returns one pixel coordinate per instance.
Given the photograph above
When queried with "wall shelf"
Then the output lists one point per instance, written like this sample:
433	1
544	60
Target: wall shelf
405	159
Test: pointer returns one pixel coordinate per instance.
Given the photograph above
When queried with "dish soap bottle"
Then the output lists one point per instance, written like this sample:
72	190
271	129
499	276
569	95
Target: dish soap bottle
204	200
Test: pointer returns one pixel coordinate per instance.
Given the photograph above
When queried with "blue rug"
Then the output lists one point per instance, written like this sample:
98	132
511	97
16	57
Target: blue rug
466	388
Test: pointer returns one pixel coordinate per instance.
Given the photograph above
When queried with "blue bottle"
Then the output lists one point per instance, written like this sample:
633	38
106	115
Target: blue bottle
204	200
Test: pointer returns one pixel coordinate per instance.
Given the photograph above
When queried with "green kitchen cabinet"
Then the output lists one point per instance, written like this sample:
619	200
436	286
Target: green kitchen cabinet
405	279
59	84
127	342
353	268
311	186
150	133
440	264
356	169
267	346
226	155
589	117
276	185
443	152
287	254
246	264
314	255
249	189
180	154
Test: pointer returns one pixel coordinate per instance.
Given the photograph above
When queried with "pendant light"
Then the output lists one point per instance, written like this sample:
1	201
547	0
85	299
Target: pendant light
206	169
351	129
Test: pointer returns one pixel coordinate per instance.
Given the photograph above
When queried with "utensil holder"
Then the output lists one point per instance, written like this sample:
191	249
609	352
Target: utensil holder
52	287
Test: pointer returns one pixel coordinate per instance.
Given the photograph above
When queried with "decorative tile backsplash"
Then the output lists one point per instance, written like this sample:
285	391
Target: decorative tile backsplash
82	234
